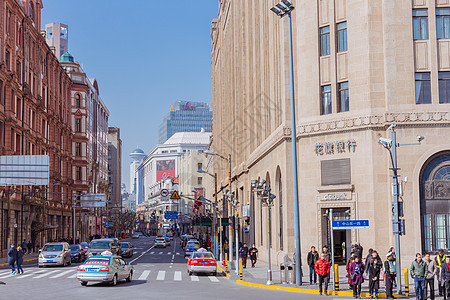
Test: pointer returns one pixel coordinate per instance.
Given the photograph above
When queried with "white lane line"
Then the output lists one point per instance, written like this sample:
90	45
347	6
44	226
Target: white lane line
170	267
73	276
160	253
142	254
4	273
177	276
45	274
173	256
178	253
213	279
169	253
30	274
9	275
62	274
194	278
153	252
161	275
144	275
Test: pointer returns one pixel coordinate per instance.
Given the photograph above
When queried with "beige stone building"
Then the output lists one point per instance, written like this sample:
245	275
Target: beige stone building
360	65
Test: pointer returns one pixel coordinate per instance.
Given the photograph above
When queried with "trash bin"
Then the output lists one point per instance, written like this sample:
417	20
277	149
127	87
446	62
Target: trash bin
282	273
291	273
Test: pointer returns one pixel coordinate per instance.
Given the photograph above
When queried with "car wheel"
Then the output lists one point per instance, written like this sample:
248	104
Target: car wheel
83	283
40	266
114	281
190	273
214	273
130	277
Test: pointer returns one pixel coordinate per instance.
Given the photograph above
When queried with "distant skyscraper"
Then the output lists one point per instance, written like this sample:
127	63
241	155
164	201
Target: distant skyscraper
57	35
137	156
186	117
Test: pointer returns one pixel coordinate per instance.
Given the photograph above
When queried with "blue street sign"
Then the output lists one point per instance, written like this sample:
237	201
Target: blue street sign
351	224
171	215
106	224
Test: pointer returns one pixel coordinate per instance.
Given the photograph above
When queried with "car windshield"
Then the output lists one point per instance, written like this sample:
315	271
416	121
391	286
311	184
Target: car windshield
100	245
160	240
205	255
97	261
193	244
49	248
124	245
84	245
74	248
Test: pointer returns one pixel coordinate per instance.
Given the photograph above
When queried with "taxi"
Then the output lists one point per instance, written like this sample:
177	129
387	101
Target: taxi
191	246
202	261
104	268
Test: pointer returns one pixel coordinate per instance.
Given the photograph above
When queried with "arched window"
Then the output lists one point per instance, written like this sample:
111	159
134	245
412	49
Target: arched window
78	100
435	202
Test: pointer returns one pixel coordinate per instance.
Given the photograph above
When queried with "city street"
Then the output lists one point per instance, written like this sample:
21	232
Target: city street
159	273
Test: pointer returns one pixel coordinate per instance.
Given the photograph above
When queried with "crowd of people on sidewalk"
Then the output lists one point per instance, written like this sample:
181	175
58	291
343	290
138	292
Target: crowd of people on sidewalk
424	271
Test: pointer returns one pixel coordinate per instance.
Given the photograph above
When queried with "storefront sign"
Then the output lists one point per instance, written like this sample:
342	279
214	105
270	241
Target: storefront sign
336	196
329	148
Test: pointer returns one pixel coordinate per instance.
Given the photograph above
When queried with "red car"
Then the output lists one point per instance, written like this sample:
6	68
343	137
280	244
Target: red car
202	261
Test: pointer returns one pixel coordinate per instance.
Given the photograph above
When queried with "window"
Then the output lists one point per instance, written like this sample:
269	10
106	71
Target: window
64	33
78	149
325	41
78	173
325	103
77	125
78	100
343	97
423	88
30	11
420	24
7	60
49	32
199	166
199	180
443	23
444	87
341	37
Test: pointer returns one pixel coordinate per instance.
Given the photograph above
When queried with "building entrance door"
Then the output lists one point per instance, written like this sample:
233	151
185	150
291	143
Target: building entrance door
340	246
341	238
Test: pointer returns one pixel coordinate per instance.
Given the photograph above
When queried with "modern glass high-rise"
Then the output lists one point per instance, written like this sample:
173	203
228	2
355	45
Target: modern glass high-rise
186	117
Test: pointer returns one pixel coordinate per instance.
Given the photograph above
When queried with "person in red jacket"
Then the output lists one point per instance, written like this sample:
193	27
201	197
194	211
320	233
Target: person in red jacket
322	268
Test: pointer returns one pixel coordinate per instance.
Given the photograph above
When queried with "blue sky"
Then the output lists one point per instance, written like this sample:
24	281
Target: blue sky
145	57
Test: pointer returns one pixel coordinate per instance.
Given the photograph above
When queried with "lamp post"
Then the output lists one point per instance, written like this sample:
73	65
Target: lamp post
263	194
398	224
285	7
230	230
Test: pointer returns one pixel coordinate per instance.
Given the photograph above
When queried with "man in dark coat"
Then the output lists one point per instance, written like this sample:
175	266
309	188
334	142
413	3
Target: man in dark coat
12	258
253	251
389	270
445	277
313	257
244	254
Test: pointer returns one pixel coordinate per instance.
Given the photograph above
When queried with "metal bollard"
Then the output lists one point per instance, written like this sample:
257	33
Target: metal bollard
282	273
406	282
336	277
291	273
226	262
240	268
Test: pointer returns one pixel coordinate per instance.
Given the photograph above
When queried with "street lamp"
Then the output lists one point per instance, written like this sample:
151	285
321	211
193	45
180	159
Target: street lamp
398	224
285	7
263	193
230	230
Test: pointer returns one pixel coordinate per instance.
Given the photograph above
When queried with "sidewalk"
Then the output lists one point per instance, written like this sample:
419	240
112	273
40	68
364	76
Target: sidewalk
257	277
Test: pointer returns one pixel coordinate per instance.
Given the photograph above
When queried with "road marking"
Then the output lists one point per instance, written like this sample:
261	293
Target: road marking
61	274
170	267
160	252
142	254
169	253
144	275
177	276
173	256
213	279
73	276
161	275
178	253
30	274
4	273
194	278
45	274
153	252
6	276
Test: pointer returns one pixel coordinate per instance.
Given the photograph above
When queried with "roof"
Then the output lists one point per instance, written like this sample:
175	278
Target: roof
189	138
138	151
67	57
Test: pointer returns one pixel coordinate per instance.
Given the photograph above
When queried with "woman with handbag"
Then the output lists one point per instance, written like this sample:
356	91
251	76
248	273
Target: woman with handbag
374	278
357	271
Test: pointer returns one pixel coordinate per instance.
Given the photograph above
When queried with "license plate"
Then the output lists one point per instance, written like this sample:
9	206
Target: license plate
49	260
203	263
91	270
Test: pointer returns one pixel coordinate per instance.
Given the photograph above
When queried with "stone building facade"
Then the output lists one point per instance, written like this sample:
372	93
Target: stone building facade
359	67
34	119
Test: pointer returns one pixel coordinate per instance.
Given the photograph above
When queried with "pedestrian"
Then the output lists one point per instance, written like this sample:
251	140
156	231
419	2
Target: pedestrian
312	258
30	247
418	272
12	258
368	260
19	263
439	260
24	247
377	257
226	248
243	253
327	253
389	271
392	250
253	251
374	278
445	277
431	273
358	249
322	268
357	271
349	276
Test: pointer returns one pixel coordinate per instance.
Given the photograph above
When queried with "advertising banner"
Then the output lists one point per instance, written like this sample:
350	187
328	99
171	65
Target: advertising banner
164	169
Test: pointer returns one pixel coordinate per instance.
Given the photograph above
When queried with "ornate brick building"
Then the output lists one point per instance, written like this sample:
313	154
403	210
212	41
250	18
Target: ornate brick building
35	118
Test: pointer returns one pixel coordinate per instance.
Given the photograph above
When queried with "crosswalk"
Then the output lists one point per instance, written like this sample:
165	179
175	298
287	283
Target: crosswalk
71	273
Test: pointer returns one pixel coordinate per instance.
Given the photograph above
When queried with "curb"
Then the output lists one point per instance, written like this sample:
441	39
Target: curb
304	290
25	261
223	272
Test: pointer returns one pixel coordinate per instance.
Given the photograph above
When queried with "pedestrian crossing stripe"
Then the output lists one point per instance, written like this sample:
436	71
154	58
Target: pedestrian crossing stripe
161	275
177	276
144	275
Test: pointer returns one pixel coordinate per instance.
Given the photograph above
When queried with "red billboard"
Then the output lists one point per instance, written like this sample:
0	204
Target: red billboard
164	169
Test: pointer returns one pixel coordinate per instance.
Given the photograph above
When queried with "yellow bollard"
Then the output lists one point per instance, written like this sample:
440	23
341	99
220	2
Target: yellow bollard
336	277
240	268
406	282
226	262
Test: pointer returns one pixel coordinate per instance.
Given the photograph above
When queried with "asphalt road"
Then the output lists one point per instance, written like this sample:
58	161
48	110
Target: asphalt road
158	273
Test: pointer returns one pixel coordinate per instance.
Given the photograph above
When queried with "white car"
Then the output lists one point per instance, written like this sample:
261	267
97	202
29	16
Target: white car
202	261
160	242
55	254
